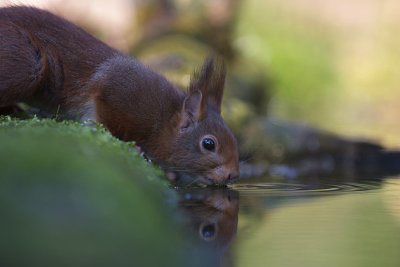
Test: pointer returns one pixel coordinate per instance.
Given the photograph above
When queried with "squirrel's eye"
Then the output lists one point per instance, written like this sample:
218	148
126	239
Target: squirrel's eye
207	232
209	144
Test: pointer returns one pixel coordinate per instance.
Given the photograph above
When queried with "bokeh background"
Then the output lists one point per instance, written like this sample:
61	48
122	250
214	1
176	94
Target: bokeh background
331	65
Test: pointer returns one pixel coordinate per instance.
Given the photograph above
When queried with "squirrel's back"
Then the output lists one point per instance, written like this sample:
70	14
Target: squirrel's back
46	58
56	33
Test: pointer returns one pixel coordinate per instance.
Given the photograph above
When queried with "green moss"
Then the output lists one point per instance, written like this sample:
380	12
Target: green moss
72	195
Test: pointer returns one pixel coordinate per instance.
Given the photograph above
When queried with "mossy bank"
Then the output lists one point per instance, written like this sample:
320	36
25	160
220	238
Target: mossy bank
73	195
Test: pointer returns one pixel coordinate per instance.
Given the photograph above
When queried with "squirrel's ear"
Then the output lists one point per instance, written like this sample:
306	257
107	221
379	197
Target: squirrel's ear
210	81
193	109
216	87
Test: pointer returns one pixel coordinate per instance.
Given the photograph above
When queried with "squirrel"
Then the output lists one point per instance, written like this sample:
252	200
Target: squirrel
51	64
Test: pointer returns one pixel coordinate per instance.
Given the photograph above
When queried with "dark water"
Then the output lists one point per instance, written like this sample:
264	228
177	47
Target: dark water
311	221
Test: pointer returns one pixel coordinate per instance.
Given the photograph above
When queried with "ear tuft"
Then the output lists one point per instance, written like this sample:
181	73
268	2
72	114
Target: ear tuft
210	81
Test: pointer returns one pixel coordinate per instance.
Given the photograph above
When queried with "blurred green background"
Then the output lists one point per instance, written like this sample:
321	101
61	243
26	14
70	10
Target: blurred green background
328	64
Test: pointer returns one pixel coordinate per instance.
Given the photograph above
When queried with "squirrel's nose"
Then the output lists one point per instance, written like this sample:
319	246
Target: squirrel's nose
233	176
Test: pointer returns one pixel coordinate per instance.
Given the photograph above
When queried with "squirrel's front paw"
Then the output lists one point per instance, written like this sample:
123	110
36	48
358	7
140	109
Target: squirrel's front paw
141	153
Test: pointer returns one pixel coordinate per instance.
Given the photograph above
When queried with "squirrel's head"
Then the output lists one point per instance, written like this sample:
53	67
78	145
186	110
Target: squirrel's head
203	149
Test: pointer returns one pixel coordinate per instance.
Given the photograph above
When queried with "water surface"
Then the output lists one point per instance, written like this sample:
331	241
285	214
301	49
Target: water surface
311	221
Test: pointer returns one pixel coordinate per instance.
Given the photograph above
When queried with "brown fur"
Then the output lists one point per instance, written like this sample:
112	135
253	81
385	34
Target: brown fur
53	65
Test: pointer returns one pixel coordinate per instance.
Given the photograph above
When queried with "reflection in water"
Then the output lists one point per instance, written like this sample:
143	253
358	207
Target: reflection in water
211	214
274	214
326	221
324	216
391	197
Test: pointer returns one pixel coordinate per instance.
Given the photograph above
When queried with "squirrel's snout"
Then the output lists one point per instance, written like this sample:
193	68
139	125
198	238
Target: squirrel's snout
232	177
224	174
232	173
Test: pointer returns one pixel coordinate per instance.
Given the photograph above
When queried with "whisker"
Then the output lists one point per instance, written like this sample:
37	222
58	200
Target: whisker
245	160
194	181
180	169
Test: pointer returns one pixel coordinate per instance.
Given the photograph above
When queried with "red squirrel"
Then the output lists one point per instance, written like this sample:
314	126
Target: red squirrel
54	65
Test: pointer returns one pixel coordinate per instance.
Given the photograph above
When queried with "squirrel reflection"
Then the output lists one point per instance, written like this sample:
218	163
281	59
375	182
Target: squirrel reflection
211	214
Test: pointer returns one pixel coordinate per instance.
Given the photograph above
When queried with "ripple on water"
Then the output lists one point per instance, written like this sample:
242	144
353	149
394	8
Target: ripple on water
286	189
